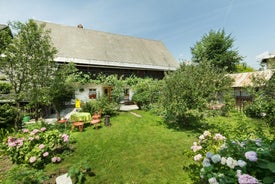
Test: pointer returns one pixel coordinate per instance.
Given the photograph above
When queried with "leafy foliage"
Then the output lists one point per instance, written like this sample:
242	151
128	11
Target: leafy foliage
79	172
62	89
216	48
8	114
243	67
29	65
189	90
5	87
224	160
101	105
35	147
146	92
263	105
5	39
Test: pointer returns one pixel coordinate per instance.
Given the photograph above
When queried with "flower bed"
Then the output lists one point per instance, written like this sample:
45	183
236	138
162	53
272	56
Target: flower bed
36	147
234	161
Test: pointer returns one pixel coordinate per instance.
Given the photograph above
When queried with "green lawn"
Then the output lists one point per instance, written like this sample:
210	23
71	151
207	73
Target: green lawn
139	149
132	150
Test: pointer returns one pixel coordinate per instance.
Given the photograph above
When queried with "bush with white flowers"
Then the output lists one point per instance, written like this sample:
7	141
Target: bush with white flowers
234	161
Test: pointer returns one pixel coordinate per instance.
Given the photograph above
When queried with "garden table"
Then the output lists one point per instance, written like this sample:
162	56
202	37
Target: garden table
81	116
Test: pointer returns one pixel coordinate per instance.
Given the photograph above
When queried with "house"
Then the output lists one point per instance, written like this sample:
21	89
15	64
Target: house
268	59
100	52
241	81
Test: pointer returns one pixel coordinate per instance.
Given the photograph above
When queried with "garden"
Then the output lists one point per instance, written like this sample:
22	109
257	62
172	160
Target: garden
175	136
140	150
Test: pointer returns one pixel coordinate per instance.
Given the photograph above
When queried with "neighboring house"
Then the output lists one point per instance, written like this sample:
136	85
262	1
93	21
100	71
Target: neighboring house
268	59
241	81
100	52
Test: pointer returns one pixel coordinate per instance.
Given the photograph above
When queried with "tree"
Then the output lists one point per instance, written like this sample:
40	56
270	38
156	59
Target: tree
263	104
189	91
146	92
29	65
5	38
243	67
216	48
62	89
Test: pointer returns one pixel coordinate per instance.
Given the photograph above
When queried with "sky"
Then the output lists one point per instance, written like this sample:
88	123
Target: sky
179	24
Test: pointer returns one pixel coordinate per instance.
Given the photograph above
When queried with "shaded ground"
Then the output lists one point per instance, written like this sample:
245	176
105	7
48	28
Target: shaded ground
5	166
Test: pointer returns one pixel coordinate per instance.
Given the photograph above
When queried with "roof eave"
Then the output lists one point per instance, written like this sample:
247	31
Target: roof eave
113	64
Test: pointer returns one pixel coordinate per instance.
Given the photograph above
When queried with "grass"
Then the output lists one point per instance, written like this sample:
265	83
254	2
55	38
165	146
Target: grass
139	149
132	150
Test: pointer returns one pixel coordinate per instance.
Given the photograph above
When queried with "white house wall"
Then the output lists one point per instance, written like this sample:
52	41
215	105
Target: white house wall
84	95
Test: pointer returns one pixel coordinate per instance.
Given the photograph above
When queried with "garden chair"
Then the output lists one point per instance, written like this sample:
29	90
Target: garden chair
96	119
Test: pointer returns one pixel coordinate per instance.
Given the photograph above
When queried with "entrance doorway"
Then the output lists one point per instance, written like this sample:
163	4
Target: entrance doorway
108	92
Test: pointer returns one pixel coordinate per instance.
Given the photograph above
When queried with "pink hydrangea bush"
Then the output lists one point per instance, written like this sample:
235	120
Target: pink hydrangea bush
226	161
36	147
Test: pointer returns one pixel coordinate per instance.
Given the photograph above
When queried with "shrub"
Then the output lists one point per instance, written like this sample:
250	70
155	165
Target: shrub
8	114
146	92
189	90
224	160
79	172
36	147
5	87
103	105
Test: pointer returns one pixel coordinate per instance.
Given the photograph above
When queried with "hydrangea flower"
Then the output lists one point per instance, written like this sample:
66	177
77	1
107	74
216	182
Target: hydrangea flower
251	156
213	181
216	158
223	160
43	129
258	142
25	130
201	137
206	133
219	137
35	131
197	157
195	147
230	162
245	179
56	159
206	162
45	154
239	173
32	159
11	144
41	146
209	155
65	137
241	163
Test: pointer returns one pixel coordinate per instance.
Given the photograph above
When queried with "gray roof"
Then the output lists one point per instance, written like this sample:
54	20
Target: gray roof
246	79
2	26
98	48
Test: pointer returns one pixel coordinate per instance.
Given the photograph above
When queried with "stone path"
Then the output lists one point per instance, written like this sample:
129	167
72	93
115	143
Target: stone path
135	114
64	179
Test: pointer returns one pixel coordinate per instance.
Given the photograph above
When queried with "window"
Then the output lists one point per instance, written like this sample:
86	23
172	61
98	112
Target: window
92	93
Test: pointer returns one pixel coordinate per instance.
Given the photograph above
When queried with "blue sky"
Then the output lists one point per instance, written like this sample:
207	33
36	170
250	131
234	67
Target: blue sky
179	24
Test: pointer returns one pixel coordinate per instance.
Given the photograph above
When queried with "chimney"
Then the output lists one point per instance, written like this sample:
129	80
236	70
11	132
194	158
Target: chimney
80	26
